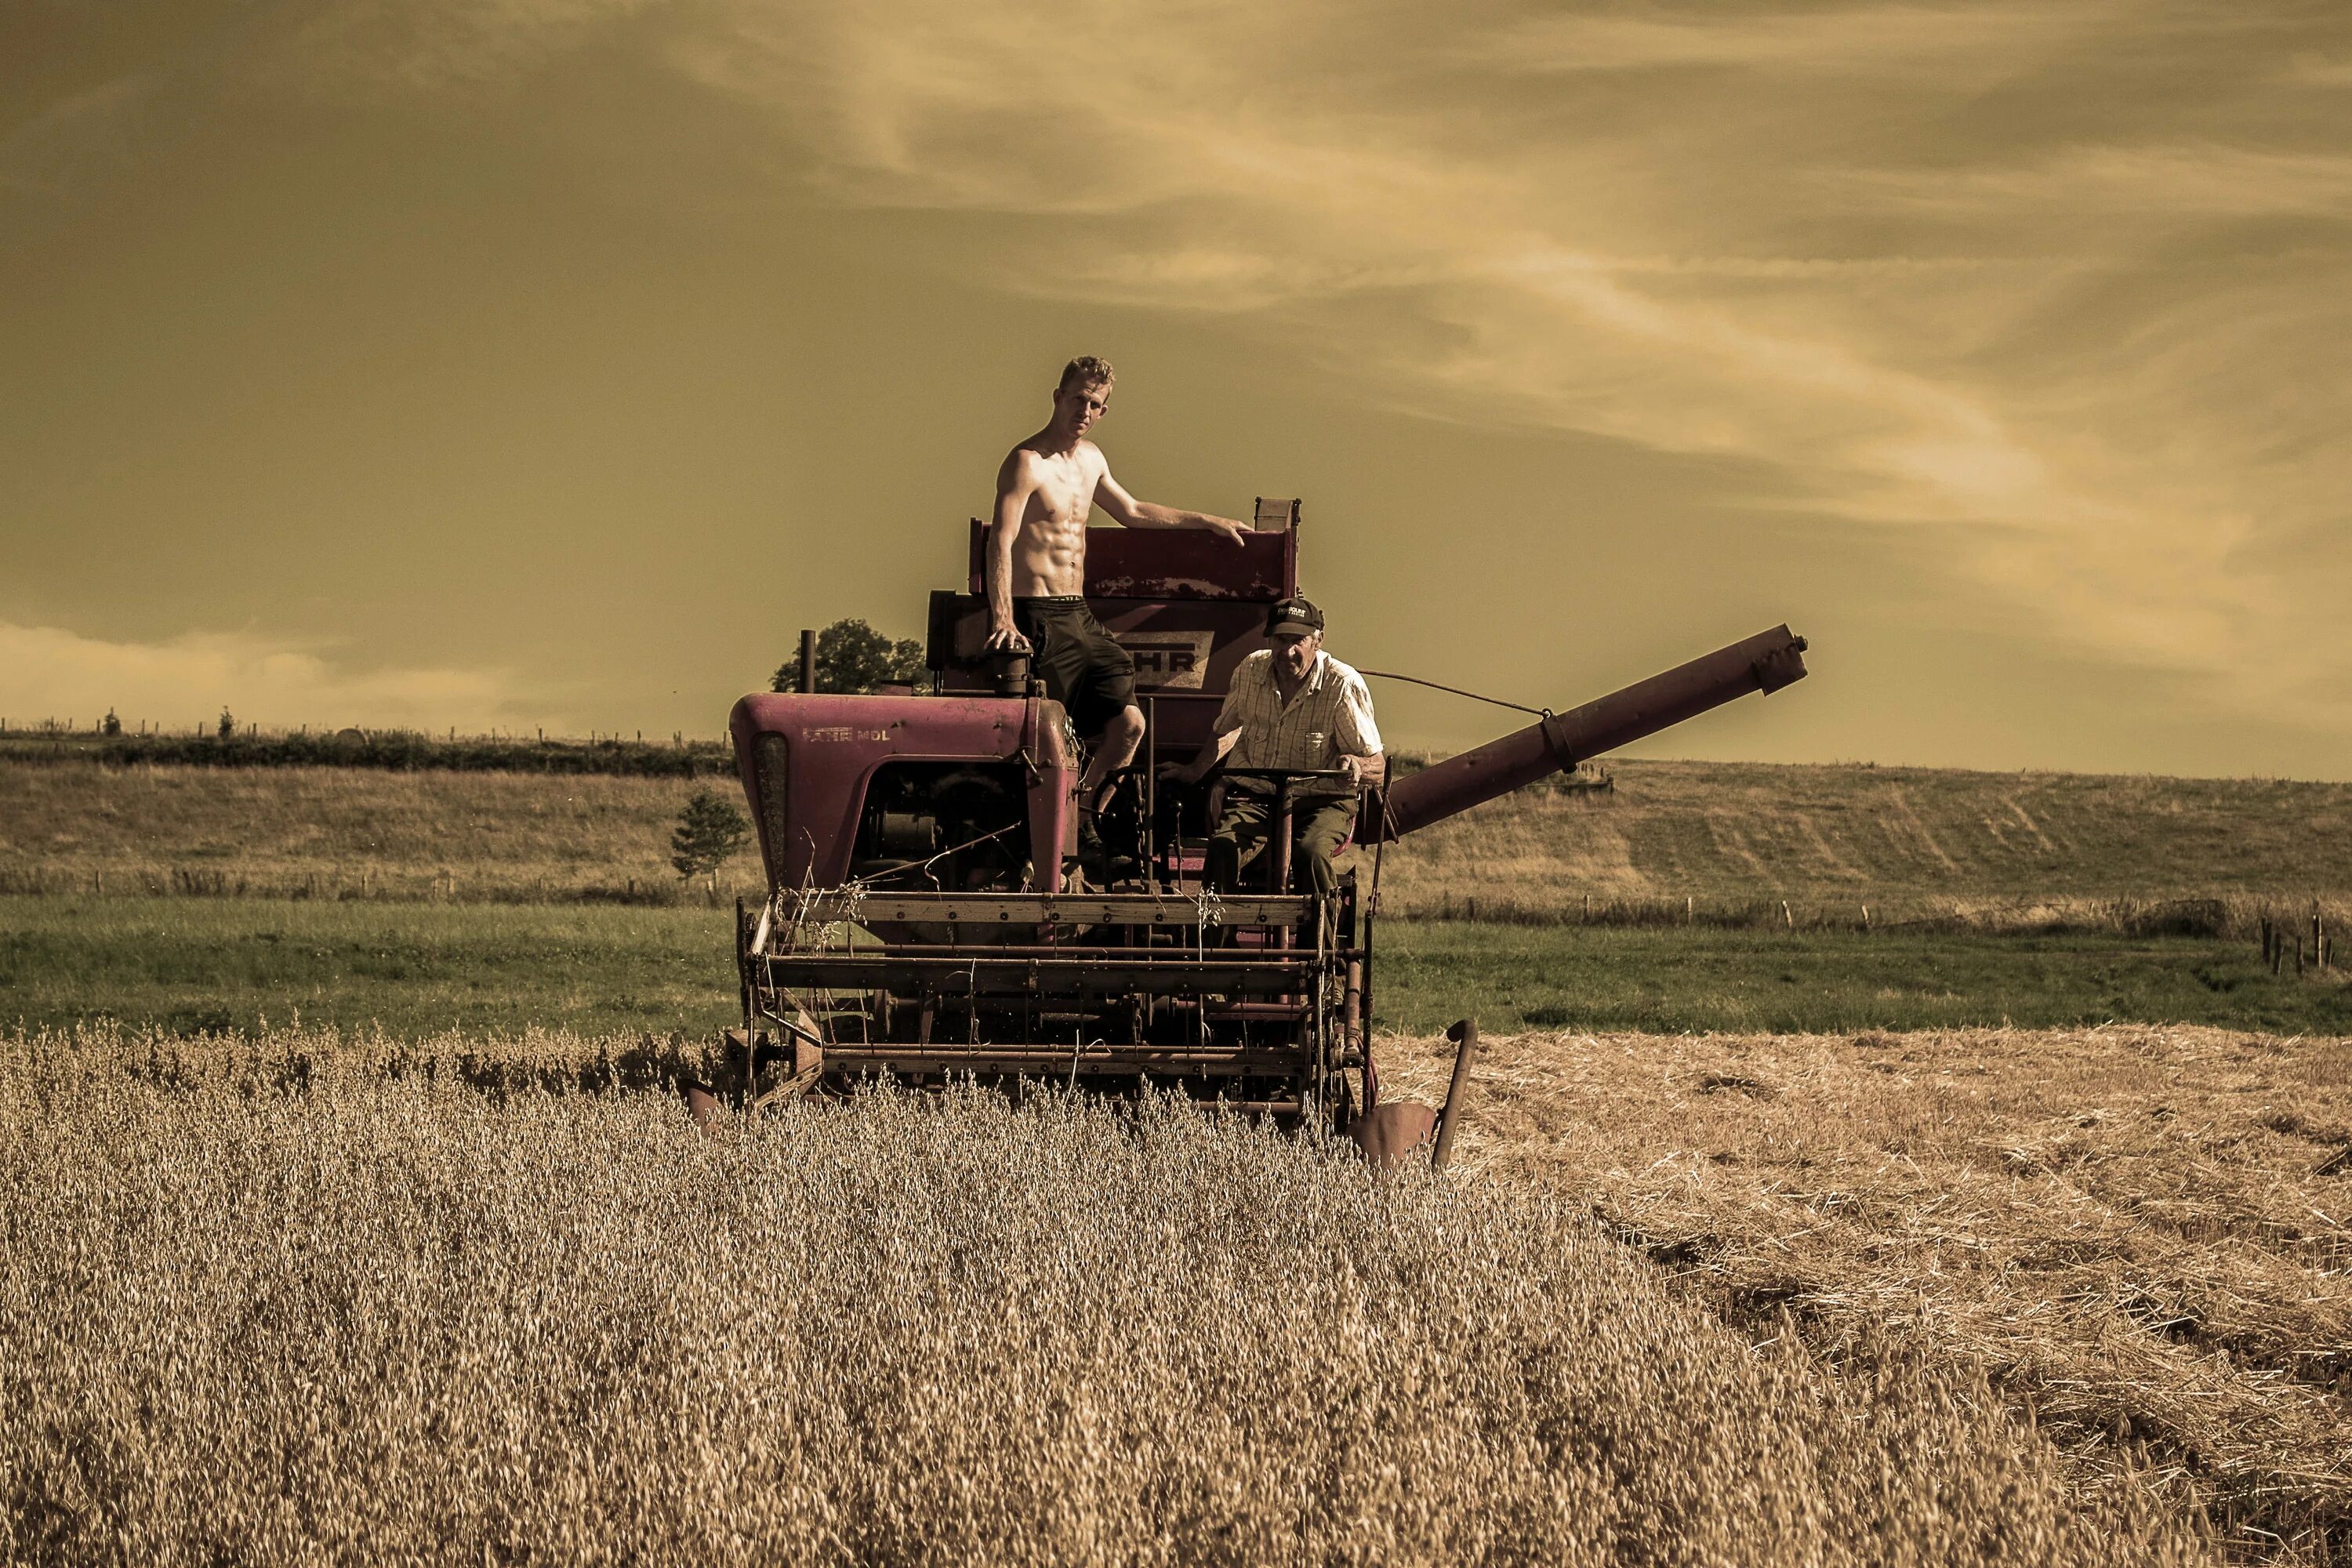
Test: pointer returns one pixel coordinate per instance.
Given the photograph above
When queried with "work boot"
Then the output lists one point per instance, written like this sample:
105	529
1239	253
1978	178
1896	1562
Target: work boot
1101	864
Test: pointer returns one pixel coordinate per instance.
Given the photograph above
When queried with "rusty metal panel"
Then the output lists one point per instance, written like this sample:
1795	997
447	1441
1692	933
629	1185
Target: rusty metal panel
1173	564
1184	646
835	743
1179	647
1389	1134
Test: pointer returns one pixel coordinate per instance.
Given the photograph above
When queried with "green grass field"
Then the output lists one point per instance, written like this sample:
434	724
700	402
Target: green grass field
1669	981
430	899
187	965
416	969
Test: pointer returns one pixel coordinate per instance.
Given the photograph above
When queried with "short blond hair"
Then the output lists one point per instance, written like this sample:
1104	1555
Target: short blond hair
1086	371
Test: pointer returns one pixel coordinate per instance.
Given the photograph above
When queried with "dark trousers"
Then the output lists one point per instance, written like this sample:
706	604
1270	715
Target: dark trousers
1318	827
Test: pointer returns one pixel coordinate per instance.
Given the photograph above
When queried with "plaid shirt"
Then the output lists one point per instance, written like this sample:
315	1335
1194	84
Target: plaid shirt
1330	717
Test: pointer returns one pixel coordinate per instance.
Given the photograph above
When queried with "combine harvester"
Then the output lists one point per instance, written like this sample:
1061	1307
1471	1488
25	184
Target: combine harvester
920	920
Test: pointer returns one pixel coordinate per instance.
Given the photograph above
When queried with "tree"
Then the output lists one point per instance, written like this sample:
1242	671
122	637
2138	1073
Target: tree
853	656
111	724
708	831
227	724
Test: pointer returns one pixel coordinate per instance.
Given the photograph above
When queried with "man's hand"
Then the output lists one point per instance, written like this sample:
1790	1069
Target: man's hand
1226	526
1184	773
1006	639
1354	768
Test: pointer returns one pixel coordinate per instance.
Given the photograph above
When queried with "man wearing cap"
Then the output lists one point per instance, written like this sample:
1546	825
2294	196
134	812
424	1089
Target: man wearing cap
1295	707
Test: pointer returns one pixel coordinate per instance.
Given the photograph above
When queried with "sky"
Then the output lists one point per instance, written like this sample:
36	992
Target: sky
519	364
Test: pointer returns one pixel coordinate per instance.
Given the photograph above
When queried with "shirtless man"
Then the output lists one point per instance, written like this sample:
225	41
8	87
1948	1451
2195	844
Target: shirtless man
1037	569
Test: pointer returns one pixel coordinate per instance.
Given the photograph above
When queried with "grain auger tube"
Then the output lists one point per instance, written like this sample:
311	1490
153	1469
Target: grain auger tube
926	915
1557	742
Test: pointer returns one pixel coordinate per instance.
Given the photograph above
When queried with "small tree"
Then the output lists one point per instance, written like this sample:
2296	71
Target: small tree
109	725
708	831
227	724
853	656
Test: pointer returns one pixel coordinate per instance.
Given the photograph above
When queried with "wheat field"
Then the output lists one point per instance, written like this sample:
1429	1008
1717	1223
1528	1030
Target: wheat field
2144	1235
304	1298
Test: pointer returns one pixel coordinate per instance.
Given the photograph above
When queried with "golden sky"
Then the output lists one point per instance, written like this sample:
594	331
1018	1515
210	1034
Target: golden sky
511	362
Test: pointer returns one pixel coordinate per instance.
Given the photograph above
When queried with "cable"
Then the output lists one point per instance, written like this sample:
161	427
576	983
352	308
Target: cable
1474	696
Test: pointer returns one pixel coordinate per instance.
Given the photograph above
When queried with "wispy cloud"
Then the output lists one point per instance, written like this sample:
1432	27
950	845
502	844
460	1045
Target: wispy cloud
2320	70
1954	333
1867	41
427	45
41	154
2174	185
48	672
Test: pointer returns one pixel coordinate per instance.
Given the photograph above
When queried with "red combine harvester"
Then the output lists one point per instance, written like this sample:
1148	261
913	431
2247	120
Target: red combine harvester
925	917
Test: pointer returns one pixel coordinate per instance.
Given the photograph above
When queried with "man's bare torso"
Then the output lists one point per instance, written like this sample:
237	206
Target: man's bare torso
1049	552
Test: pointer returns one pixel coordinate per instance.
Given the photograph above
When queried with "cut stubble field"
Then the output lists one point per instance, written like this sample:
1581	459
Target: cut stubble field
2144	1236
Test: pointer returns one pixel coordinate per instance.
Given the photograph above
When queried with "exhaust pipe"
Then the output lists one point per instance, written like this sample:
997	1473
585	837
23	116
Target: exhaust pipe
1765	662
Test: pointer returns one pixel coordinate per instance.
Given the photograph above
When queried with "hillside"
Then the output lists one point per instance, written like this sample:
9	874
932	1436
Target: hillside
1834	839
1726	837
341	831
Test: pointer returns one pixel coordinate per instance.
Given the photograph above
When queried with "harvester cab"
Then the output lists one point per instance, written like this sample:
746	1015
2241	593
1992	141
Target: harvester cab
925	917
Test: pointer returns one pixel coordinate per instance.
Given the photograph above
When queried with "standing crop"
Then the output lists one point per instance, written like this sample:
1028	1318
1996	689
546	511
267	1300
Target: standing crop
309	1300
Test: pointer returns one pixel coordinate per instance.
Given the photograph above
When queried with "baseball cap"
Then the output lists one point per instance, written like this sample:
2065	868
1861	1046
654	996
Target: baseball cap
1294	614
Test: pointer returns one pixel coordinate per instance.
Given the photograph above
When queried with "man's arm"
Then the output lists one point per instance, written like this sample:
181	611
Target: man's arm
1129	513
1358	735
1212	751
1015	485
1224	731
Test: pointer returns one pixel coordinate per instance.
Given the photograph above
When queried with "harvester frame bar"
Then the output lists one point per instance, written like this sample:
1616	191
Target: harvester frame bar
1090	1060
1100	971
1044	909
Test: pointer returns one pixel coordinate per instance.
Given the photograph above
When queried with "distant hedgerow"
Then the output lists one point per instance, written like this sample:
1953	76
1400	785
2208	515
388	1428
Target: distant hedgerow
399	750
